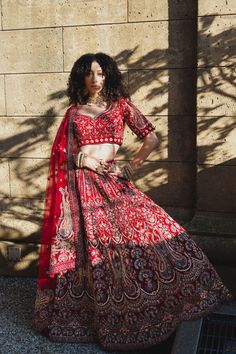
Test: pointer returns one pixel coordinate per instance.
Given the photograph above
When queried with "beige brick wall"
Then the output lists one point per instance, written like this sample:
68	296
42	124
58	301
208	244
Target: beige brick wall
179	62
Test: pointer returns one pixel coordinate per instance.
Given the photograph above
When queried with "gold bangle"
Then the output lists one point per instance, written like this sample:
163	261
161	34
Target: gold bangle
130	167
79	160
127	172
83	157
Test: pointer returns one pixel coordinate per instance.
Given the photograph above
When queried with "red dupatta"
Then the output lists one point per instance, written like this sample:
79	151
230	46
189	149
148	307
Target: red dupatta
61	238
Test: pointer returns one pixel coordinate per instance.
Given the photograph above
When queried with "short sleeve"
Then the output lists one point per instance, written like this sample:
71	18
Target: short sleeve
136	120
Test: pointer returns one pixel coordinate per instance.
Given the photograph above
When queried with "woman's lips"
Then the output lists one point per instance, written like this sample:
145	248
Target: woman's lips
95	86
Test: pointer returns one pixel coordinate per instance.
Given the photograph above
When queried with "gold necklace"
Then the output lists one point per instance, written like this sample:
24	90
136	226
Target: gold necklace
97	100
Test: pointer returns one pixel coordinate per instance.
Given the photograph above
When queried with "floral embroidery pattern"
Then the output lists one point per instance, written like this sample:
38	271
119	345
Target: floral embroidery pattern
143	273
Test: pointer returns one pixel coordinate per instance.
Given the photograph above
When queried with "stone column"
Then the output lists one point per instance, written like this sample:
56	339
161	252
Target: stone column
214	223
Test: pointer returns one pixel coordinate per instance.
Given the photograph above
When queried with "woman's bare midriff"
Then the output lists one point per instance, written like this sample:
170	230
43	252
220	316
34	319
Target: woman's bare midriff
105	151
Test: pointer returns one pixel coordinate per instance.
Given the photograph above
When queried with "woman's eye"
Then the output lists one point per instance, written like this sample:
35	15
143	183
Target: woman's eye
91	74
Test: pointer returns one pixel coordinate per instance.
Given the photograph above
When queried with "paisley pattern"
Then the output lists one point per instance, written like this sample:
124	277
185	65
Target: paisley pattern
143	273
62	249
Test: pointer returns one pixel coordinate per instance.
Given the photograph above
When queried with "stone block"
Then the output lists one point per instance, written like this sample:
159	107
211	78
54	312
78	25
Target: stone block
217	7
216	41
28	177
216	188
31	51
128	52
14	228
216	91
1	17
215	233
21	219
28	137
164	92
206	223
4	178
47	13
2	95
182	138
182	44
36	94
149	10
181	215
26	266
167	183
216	140
213	247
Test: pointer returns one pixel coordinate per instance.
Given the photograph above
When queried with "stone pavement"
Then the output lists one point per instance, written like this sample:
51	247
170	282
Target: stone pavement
17	297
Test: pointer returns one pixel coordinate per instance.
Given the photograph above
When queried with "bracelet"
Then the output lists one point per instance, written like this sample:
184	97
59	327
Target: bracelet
80	159
128	171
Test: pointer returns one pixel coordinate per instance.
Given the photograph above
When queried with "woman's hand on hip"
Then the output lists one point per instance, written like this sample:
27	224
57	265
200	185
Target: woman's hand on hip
93	163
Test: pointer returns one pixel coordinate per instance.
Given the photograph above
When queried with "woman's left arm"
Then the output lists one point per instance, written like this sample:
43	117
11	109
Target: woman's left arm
150	142
144	130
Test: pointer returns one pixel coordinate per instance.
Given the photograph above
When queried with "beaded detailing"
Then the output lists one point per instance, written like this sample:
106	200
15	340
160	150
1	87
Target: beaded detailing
97	140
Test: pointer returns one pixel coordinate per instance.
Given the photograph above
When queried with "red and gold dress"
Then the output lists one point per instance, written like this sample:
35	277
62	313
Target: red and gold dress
115	268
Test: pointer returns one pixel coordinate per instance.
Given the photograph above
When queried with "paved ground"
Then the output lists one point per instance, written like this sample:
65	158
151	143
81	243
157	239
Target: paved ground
17	296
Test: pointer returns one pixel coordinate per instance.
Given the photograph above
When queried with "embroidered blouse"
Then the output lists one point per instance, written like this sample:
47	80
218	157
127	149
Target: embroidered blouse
108	126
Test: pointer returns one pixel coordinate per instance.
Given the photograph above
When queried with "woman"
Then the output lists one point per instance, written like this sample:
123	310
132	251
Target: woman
114	267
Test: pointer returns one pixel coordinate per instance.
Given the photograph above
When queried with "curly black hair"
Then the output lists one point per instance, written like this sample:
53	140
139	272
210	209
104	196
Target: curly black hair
114	86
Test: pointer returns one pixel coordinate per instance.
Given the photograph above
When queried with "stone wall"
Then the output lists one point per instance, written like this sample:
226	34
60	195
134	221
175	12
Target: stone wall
179	62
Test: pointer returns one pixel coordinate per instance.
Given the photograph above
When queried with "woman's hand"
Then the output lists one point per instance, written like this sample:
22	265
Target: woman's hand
118	171
93	163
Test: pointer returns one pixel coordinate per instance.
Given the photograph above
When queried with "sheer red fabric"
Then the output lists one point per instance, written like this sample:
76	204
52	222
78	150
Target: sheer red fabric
59	232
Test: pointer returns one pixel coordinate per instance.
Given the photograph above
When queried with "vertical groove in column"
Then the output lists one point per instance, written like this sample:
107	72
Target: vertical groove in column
182	92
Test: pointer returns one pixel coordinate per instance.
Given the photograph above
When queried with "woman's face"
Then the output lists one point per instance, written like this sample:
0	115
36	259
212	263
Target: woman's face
94	81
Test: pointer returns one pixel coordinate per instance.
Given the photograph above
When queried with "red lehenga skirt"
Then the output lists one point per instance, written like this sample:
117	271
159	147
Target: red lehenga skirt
143	275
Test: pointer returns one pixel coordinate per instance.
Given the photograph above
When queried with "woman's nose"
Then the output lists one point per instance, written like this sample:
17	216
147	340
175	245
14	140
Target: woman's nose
95	77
